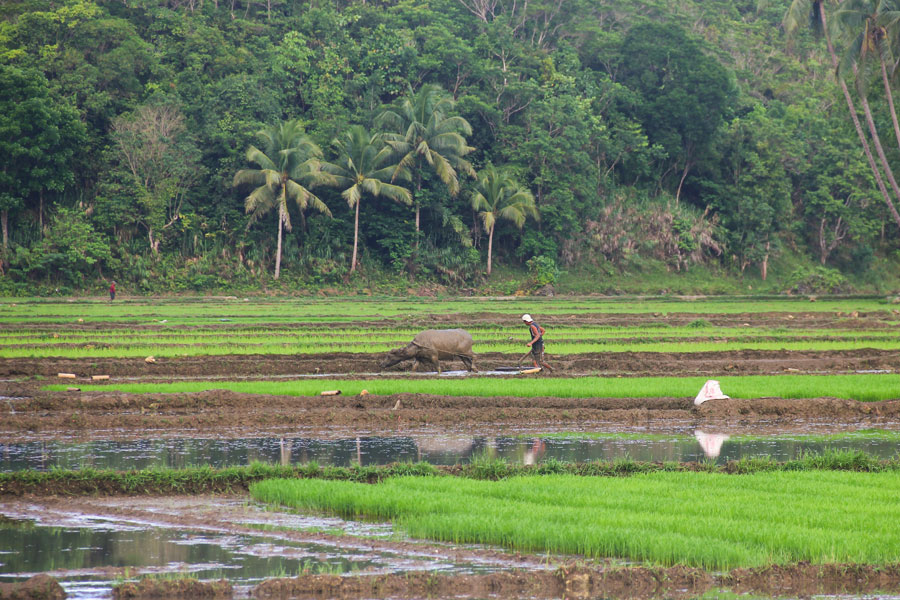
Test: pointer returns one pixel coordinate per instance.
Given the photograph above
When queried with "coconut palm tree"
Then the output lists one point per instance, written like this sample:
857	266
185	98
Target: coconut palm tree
498	196
287	162
870	28
814	10
364	166
422	134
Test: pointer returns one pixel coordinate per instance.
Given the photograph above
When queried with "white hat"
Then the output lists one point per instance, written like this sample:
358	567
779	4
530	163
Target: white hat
527	318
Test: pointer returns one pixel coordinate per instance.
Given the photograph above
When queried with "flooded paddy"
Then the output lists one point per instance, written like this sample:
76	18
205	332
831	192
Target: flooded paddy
434	448
91	545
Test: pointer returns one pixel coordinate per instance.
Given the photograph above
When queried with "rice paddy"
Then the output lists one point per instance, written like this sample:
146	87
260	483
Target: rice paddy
700	519
685	504
172	340
865	388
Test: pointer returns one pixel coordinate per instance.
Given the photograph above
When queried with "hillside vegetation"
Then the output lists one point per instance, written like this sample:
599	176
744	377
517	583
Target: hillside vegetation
179	145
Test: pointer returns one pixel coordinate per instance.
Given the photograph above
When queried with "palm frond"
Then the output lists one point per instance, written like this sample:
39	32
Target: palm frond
395	193
352	195
249	177
255	155
512	213
259	202
444	171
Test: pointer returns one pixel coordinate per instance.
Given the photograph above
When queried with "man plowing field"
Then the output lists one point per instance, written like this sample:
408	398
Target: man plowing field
537	343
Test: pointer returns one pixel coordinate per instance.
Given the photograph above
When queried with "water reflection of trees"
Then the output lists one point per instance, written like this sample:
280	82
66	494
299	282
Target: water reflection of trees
441	449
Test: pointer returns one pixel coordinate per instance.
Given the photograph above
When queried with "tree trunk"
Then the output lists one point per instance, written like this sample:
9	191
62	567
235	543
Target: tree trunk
867	111
890	99
765	263
355	237
154	243
4	224
687	167
418	211
490	248
856	124
278	251
41	212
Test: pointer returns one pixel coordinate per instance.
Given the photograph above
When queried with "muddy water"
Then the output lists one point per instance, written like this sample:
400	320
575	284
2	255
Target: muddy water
444	449
88	551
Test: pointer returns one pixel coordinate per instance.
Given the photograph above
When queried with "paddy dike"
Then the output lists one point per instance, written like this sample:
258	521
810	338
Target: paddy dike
262	366
29	413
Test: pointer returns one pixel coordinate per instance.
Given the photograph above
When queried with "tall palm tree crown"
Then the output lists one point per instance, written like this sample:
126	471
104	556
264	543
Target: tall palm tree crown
816	11
498	196
421	132
364	167
289	163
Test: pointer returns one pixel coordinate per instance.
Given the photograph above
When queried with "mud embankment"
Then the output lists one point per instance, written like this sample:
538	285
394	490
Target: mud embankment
799	580
103	415
744	362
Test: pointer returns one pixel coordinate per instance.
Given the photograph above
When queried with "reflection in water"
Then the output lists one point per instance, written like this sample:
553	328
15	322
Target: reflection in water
711	442
81	553
86	557
438	449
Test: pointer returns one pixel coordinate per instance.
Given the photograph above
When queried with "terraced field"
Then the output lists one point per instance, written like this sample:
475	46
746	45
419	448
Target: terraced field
219	383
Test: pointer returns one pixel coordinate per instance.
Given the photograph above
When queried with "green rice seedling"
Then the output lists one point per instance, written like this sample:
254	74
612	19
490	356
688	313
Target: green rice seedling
862	387
190	311
708	520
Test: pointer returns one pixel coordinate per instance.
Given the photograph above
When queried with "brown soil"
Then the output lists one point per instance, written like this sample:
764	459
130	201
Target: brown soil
573	582
800	580
177	588
39	587
606	363
103	415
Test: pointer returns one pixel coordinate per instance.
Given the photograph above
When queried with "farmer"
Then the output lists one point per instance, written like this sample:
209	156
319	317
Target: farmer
537	342
112	291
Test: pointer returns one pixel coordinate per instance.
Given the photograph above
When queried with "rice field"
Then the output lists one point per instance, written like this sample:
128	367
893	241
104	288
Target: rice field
279	340
663	513
336	309
38	328
700	519
864	388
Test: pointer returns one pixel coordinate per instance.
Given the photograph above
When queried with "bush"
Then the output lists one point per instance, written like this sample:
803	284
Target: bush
542	270
818	280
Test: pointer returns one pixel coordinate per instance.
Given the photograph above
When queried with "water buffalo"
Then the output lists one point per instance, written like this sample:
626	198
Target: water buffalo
434	345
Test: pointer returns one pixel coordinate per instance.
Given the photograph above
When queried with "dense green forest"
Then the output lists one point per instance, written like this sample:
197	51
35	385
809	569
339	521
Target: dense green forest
177	145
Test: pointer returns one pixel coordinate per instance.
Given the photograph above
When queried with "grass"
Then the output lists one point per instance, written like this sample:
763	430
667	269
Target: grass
865	387
700	519
204	479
